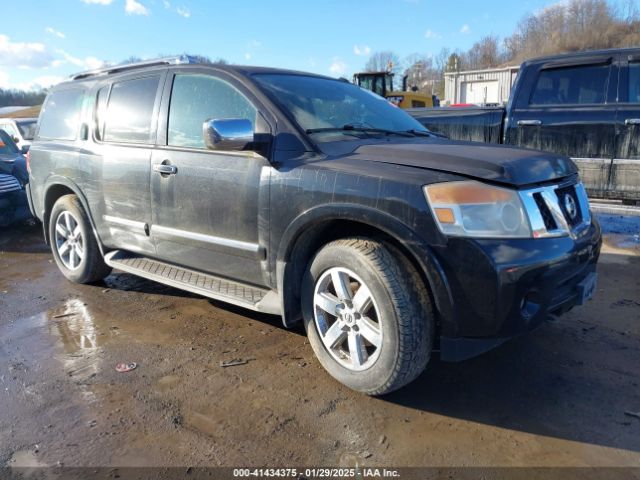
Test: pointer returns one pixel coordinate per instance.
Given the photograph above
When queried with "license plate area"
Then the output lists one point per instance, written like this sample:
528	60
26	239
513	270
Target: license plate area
586	288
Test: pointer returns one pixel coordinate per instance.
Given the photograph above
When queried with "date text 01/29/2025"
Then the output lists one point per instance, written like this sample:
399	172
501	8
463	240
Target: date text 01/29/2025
310	473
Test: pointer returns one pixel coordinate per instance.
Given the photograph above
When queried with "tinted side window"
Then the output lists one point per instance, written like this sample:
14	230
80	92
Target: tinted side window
130	110
634	82
196	98
584	84
60	115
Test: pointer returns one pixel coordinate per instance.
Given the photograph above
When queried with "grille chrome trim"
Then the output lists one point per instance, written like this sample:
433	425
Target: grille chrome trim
551	200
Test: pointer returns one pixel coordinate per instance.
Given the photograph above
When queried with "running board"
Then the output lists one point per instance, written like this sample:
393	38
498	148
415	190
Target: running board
218	288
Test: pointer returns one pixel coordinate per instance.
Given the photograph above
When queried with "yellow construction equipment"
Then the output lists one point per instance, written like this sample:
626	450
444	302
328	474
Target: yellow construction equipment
382	84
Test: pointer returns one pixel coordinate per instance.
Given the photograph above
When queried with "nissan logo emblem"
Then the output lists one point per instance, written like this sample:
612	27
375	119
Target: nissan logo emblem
570	206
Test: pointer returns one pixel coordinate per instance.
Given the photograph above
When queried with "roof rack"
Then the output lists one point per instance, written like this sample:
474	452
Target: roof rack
179	60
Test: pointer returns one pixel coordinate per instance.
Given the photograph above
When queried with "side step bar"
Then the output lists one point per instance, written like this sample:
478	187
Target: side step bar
218	288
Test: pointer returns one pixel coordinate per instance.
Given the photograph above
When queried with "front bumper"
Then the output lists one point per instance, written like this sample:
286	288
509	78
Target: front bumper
504	288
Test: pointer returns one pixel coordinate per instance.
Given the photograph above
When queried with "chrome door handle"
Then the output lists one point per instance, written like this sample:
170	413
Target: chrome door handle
632	121
524	123
165	169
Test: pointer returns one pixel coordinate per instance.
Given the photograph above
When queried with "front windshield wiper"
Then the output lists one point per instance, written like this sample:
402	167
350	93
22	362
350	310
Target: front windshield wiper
353	128
420	133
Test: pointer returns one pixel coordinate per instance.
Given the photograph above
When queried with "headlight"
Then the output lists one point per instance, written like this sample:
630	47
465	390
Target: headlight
474	209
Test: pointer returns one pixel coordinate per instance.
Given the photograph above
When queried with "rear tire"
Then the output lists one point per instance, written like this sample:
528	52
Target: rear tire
73	244
374	346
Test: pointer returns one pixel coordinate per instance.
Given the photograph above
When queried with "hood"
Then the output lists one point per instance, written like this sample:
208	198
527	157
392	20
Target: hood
508	165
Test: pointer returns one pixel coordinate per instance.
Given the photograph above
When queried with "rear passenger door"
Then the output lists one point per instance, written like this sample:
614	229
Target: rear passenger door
119	163
569	108
207	213
625	173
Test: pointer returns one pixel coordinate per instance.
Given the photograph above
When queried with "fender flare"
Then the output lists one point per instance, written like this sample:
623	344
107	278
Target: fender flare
422	255
59	180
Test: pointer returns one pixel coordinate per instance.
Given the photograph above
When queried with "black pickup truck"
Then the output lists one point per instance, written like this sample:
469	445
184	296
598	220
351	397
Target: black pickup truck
584	105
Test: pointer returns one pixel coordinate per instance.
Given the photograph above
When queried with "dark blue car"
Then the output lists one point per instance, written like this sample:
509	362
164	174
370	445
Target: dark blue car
13	178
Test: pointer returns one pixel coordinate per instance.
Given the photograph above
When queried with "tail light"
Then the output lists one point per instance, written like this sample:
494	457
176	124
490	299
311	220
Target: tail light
28	156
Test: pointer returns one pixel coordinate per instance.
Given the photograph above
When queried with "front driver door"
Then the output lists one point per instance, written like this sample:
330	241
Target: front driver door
207	212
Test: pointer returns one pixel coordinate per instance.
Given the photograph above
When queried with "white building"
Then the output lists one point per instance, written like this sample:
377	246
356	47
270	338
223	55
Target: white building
479	86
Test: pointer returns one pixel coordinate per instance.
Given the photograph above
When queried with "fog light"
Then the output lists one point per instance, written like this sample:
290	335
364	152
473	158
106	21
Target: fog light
529	306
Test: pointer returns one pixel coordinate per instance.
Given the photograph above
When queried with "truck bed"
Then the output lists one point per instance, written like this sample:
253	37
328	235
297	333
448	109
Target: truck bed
474	124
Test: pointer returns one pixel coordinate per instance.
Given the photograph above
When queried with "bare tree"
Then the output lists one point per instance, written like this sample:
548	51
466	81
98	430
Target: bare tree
383	62
573	26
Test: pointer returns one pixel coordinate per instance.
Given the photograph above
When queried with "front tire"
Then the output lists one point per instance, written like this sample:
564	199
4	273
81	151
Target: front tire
367	314
73	244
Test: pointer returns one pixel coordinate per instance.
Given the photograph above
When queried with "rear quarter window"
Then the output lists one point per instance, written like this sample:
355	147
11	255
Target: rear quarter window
583	84
61	114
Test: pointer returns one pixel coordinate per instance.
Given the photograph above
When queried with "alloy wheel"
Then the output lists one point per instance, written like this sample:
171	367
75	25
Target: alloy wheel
347	319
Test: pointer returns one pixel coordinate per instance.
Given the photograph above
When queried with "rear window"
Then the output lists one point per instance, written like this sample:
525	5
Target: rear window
130	110
61	114
583	84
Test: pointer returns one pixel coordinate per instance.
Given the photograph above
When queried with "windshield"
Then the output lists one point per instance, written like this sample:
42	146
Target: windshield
27	128
6	144
321	103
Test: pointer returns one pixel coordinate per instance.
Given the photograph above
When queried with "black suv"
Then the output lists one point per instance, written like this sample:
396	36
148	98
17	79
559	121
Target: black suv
311	198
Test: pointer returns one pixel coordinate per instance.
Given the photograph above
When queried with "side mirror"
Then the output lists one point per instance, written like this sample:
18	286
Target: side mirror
24	149
227	133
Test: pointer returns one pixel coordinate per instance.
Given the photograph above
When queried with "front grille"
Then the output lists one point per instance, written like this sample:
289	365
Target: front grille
562	194
556	210
8	183
547	217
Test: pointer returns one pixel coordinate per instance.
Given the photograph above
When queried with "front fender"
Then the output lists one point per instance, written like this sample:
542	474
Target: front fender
422	255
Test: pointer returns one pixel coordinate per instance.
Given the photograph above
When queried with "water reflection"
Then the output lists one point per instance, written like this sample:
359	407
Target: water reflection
74	325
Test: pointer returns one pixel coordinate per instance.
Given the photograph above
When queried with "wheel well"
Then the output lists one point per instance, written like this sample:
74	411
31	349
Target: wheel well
314	238
53	194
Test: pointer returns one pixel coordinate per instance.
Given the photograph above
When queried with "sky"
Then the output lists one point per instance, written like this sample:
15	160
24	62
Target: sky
42	42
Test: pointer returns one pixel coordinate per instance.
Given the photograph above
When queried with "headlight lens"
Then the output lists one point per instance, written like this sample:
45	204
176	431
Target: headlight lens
473	209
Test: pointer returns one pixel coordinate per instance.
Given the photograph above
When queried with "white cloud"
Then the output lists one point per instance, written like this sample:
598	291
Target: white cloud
255	44
36	84
92	63
4	80
21	54
87	63
54	32
183	12
363	50
338	67
133	7
465	29
97	2
432	34
166	4
247	56
39	83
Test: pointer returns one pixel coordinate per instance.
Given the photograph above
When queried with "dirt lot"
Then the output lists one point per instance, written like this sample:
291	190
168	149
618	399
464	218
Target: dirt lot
555	397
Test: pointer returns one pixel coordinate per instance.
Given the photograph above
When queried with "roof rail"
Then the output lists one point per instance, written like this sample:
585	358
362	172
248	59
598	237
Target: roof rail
179	60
